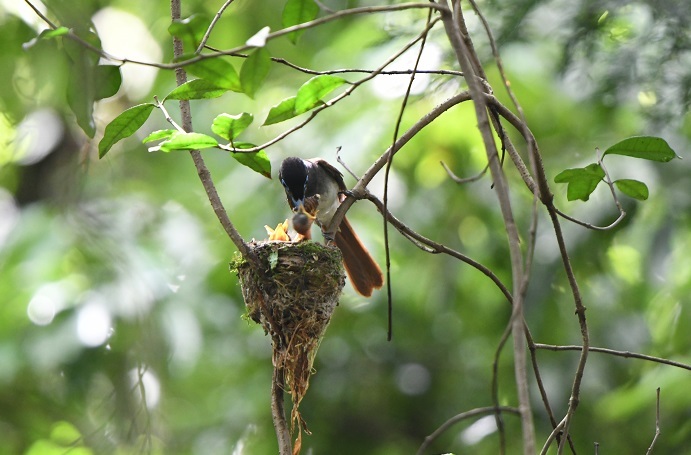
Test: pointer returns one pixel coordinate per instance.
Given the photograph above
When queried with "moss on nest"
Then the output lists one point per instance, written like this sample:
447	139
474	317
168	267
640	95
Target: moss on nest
292	295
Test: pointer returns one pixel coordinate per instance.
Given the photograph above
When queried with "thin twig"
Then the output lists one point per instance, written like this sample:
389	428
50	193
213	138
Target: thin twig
344	164
574	399
495	386
520	125
353	86
239	49
460	417
43	17
558	430
594	227
657	423
302	69
430	246
166	115
614	352
360	189
541	386
464	180
202	170
387	171
498	61
207	34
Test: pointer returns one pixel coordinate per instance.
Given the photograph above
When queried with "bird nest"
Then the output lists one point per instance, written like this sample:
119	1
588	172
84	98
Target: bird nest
292	293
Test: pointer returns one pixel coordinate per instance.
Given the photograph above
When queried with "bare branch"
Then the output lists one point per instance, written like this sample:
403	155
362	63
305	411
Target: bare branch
389	162
167	116
289	64
43	17
461	180
202	170
239	49
278	411
657	422
434	247
466	59
614	352
360	188
207	34
460	417
336	99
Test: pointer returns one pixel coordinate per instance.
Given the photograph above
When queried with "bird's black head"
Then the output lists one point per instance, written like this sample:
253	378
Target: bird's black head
293	177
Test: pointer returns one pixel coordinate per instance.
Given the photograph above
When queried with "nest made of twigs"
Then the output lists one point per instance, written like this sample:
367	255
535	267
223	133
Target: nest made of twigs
292	293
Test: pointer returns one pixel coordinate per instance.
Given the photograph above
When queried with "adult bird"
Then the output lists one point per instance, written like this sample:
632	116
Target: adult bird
314	188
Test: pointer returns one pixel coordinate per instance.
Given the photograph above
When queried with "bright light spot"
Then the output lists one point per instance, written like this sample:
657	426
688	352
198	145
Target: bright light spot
626	262
42	309
413	379
394	86
9	215
473	232
93	324
479	430
48	301
146	386
259	38
37	135
24	11
185	336
124	35
429	173
647	98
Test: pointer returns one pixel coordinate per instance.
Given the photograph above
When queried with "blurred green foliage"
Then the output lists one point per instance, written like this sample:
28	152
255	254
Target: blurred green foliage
121	328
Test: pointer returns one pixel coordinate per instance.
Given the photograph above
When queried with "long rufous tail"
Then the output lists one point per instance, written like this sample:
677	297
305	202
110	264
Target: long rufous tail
364	273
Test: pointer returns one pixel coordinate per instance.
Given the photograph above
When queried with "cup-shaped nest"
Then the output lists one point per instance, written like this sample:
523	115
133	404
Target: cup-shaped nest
292	293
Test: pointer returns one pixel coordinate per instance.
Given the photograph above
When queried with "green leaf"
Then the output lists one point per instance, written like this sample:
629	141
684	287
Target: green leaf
218	71
108	81
197	89
186	141
311	92
297	12
190	29
257	161
81	91
634	188
124	125
581	181
230	126
46	34
77	51
60	31
160	134
645	147
282	111
64	433
254	70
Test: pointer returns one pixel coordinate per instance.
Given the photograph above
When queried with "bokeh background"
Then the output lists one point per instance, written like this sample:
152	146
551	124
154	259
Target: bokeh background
122	329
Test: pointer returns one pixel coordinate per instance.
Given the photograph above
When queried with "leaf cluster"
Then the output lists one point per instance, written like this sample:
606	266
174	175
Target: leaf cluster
581	182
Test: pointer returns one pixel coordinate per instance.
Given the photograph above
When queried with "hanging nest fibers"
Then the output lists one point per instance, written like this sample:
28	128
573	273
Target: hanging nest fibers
292	296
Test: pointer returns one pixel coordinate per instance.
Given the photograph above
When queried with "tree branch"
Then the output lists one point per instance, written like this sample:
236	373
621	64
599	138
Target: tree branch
460	417
278	411
202	170
657	422
207	34
463	55
360	189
